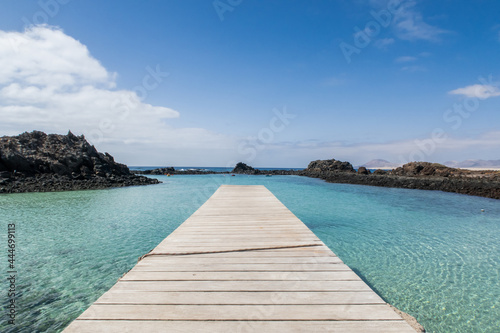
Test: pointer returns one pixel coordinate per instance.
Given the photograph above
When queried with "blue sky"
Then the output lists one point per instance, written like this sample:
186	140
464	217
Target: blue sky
271	83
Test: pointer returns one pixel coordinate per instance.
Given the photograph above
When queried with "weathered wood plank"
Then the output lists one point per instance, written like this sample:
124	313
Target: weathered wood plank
175	260
242	285
129	326
240	312
134	275
151	266
242	297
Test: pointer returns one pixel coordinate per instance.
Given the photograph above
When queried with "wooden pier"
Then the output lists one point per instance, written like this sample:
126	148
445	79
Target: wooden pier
241	263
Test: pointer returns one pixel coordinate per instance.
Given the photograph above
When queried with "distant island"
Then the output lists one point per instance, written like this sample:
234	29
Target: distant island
467	164
380	164
39	162
474	164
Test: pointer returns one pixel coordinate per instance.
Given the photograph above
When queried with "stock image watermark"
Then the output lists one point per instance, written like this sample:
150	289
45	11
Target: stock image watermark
250	147
454	117
223	6
363	37
11	273
126	104
48	9
269	307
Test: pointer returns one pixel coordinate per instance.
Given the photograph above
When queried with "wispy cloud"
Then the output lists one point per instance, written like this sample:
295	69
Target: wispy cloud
496	31
414	69
405	59
482	91
383	43
334	81
412	59
397	151
410	25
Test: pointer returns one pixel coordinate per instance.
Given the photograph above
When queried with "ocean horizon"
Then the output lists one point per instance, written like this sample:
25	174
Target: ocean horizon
192	168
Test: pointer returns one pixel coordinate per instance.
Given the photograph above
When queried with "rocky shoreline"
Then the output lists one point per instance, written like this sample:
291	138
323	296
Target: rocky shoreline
38	162
240	168
414	175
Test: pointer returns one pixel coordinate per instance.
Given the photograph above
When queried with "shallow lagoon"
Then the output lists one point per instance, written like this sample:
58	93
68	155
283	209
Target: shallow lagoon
434	255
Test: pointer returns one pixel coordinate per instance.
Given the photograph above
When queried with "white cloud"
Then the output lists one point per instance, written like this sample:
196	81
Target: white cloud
414	69
49	81
383	43
408	22
399	151
44	56
406	59
482	91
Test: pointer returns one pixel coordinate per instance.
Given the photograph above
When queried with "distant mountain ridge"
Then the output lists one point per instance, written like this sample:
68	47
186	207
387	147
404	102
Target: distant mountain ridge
473	164
380	164
480	164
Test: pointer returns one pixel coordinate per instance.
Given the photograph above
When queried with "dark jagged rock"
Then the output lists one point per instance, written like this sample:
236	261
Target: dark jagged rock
414	175
327	166
245	169
159	171
424	169
363	171
173	171
37	162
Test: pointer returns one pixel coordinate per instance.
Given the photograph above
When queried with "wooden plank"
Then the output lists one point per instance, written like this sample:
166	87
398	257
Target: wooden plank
189	241
261	236
134	275
242	285
228	297
164	249
174	260
239	312
129	326
254	254
151	266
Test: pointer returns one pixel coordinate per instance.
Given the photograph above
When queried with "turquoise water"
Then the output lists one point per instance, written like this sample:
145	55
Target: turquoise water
434	255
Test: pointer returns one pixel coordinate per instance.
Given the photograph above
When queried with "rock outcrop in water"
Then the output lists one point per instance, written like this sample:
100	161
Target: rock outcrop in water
240	168
245	169
157	172
37	162
414	175
329	166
